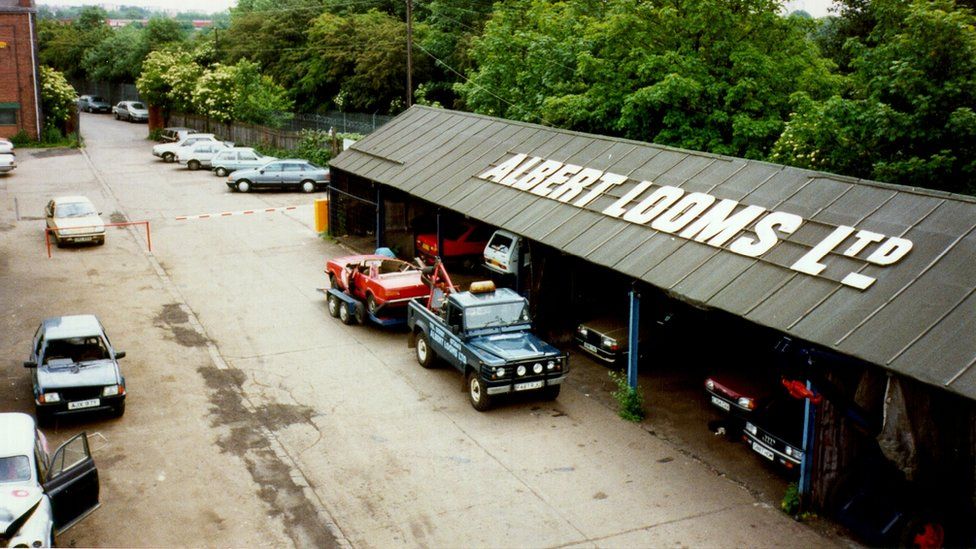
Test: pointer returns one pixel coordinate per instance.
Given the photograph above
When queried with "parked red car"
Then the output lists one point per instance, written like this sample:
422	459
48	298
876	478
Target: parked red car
463	241
381	282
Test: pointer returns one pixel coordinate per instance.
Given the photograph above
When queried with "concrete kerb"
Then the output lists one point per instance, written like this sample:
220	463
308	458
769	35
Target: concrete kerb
324	511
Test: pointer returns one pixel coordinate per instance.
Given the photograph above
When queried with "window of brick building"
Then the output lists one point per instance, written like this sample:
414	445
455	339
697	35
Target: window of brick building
8	117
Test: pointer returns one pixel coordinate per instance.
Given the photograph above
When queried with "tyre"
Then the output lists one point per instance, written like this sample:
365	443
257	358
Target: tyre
221	171
923	530
478	392
425	355
193	165
100	241
308	186
551	392
169	157
334	305
243	185
371	306
332	281
117	117
118	410
344	315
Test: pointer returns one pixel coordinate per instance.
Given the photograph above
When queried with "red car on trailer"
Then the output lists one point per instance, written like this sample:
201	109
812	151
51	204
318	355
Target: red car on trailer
383	284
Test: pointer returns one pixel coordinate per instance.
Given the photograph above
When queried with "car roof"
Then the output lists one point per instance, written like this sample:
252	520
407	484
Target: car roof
71	199
501	295
65	327
18	434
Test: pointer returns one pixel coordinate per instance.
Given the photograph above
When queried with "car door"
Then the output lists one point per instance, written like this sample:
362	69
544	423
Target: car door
291	174
270	175
248	159
72	482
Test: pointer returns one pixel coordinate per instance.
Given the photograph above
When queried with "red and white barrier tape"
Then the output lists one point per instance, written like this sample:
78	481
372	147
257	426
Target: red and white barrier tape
242	212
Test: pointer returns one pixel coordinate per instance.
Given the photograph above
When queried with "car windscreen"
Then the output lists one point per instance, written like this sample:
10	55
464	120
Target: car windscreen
495	315
138	106
14	469
98	98
500	242
75	349
74	209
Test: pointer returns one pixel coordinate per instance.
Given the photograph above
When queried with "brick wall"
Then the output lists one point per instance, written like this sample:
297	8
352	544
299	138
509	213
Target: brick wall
17	71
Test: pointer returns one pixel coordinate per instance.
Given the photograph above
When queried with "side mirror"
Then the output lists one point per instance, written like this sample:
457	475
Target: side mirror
30	364
119	354
260	171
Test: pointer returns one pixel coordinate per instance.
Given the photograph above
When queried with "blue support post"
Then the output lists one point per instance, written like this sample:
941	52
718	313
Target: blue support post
806	464
632	344
380	217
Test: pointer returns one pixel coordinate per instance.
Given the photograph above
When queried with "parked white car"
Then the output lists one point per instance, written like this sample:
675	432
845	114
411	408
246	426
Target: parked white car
168	151
6	147
42	495
74	219
198	155
7	162
238	158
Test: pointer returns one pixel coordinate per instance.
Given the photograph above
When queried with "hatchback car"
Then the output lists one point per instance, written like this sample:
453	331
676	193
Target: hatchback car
7	162
282	174
238	158
42	495
133	111
199	155
74	219
93	103
75	369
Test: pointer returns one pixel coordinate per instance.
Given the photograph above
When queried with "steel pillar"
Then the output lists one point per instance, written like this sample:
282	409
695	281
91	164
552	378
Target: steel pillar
380	217
806	464
632	343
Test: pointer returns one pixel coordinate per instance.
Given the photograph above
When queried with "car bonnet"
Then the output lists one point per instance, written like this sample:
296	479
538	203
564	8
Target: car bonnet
88	222
513	346
101	372
16	501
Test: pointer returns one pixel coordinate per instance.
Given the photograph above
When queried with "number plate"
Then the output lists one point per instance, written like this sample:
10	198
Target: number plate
763	451
83	239
528	385
590	347
721	403
83	404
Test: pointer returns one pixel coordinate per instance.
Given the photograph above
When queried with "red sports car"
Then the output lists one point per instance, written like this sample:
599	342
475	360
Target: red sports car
464	241
381	282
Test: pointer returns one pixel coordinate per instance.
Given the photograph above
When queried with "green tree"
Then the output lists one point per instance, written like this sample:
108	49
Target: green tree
169	78
240	93
57	97
63	47
117	58
910	116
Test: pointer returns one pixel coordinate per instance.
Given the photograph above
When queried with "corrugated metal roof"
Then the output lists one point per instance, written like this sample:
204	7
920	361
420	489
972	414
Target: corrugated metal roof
918	318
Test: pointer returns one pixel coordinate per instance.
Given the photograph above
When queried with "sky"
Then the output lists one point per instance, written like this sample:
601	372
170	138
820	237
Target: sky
816	8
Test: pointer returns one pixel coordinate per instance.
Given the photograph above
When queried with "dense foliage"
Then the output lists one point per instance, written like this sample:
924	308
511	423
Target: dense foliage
57	97
881	89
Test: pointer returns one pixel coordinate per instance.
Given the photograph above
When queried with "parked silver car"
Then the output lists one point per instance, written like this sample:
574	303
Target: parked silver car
199	155
292	173
93	103
238	158
133	111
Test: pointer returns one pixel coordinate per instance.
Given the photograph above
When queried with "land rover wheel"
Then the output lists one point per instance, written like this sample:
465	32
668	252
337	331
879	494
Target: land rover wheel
308	185
193	165
169	157
477	392
371	304
425	356
334	304
551	392
243	185
221	171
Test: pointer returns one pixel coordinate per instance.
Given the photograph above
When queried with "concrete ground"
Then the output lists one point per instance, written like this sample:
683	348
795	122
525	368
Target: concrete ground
256	419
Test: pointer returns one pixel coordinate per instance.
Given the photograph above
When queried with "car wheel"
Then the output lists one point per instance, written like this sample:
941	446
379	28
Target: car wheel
333	304
344	314
425	355
222	172
308	186
332	281
100	241
551	392
169	157
119	410
117	117
193	165
477	392
243	185
371	304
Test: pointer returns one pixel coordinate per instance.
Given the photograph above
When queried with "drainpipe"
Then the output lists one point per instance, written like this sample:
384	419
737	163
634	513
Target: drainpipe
37	79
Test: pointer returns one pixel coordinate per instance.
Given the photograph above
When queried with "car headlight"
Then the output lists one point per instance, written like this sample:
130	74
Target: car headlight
111	390
747	403
751	428
537	368
551	365
609	343
49	398
710	385
499	372
582	331
794	452
520	370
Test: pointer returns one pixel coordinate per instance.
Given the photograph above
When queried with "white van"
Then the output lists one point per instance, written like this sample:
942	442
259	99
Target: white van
502	251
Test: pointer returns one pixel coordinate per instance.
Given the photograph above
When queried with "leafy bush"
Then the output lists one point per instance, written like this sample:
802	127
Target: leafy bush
20	139
314	146
791	500
156	134
630	400
57	96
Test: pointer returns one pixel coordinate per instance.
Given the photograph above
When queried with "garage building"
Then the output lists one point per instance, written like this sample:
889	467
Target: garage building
872	286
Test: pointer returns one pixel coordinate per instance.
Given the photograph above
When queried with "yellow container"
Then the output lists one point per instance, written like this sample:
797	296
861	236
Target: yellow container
321	215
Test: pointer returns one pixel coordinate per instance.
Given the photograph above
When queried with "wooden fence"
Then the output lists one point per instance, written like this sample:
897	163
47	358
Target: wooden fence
243	135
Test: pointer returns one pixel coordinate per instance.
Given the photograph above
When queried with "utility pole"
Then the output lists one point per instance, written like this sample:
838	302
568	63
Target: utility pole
409	53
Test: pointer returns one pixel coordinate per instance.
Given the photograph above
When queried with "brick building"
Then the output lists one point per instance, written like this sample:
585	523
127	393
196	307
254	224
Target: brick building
19	90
